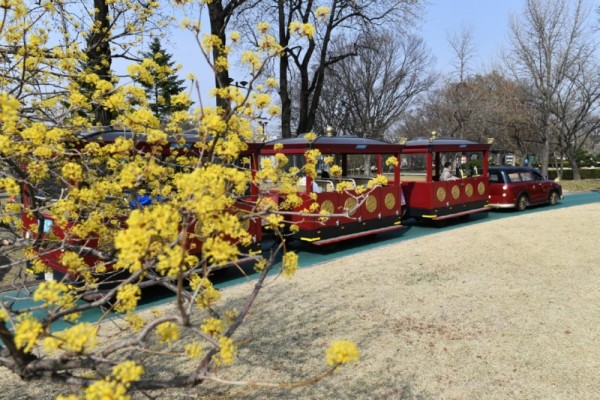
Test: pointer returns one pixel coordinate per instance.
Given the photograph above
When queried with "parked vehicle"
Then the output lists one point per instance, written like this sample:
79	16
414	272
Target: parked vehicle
520	187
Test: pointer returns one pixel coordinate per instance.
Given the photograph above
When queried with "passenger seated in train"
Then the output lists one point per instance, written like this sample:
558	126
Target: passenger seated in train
446	175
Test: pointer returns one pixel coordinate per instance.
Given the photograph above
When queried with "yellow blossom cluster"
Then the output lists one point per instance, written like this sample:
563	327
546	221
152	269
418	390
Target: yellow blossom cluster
167	332
341	352
391	160
379	180
148	231
80	338
206	292
127	298
27	332
212	326
289	264
54	293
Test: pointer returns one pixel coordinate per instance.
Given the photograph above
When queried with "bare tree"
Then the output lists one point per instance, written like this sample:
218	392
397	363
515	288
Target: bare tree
497	107
576	112
367	95
549	41
311	61
464	51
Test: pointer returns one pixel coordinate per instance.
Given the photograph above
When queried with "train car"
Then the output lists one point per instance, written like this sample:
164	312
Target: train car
347	213
40	224
428	194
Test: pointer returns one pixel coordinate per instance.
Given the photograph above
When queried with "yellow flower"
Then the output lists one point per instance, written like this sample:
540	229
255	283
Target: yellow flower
212	326
72	172
127	372
127	298
106	390
294	26
27	333
379	180
341	352
3	315
322	12
193	350
289	264
135	321
234	36
308	30
227	351
391	161
311	136
263	27
335	170
83	336
167	332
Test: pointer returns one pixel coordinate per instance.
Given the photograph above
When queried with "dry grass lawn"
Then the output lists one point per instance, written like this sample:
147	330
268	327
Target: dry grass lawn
508	309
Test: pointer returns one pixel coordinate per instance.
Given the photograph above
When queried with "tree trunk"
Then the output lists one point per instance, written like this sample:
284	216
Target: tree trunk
217	28
574	168
284	90
100	56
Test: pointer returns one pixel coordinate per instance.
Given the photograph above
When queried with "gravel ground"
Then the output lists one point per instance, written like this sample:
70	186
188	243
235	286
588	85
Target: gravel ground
508	309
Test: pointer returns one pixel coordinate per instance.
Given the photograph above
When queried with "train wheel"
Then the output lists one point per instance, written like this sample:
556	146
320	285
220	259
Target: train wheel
553	198
522	202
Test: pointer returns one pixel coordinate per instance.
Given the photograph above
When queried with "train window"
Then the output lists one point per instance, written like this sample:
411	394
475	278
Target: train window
413	167
362	165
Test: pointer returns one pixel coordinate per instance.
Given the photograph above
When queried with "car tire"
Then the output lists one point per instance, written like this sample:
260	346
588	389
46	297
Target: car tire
553	199
522	202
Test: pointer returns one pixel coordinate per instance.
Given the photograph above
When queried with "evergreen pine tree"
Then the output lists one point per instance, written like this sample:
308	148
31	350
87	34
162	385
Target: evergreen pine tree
166	83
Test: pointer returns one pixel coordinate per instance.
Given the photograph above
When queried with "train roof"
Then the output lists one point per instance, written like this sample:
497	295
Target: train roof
444	144
110	134
344	144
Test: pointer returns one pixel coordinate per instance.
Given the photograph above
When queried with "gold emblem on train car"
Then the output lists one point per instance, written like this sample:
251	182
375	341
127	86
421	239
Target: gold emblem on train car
390	201
481	188
371	203
245	223
441	194
469	190
455	192
327	206
349	205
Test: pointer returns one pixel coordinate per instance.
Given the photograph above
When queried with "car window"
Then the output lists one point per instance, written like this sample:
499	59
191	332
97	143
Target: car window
514	177
537	176
495	177
527	176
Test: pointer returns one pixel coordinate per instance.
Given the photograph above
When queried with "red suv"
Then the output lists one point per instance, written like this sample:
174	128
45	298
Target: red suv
519	187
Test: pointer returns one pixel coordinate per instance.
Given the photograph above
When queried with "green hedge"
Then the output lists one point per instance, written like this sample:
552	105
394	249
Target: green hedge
568	173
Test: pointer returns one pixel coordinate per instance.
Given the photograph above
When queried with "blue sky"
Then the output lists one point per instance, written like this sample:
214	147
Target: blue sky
486	19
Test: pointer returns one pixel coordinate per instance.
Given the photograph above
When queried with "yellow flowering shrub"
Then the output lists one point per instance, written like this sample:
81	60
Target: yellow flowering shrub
142	202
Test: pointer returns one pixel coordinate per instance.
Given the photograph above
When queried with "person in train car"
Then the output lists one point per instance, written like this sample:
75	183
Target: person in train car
446	174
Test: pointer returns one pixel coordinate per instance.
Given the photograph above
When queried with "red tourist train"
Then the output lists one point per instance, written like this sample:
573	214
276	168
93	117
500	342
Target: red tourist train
40	224
408	176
